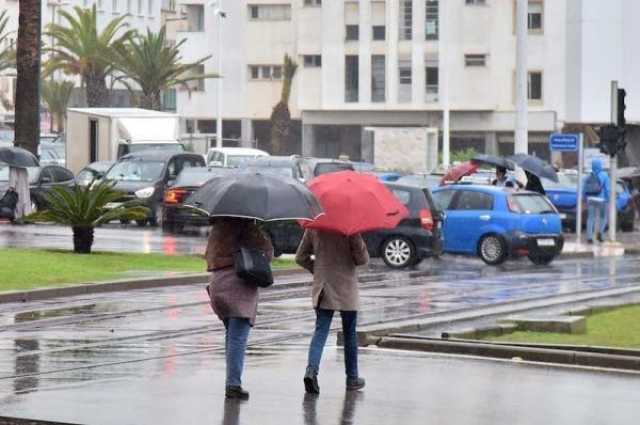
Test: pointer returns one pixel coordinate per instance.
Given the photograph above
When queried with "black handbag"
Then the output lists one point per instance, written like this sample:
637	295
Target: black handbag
252	265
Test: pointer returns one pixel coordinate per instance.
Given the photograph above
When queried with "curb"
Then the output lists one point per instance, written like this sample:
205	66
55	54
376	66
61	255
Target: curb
544	355
117	285
5	420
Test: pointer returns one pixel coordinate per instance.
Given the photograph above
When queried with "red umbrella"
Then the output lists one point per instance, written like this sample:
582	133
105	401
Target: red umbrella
459	171
354	203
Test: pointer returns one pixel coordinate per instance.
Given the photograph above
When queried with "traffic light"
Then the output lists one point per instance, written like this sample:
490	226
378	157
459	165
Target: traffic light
609	135
622	94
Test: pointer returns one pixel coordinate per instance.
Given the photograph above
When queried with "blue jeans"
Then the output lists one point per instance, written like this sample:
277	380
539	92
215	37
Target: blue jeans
235	345
323	325
596	208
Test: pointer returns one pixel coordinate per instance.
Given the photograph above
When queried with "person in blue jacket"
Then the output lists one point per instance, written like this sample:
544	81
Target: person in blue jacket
596	190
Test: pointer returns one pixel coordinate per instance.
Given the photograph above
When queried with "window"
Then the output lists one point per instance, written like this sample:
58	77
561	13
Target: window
100	4
474	201
443	198
312	61
475	2
313	2
379	32
150	8
403	196
61	175
194	17
378	78
139	7
352	32
169	100
534	85
405	76
431	20
265	72
431	80
169	5
534	16
351	78
128	6
270	12
475	60
114	6
406	20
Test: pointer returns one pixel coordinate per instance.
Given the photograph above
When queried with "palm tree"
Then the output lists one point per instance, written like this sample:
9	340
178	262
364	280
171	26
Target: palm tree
81	50
281	117
84	208
7	55
56	95
27	103
155	67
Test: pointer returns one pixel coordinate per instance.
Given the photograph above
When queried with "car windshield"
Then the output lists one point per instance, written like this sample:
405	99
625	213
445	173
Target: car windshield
162	147
238	160
34	173
331	167
145	171
197	176
531	204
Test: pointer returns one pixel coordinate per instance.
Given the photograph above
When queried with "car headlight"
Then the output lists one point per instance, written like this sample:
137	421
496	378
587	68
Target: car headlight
145	193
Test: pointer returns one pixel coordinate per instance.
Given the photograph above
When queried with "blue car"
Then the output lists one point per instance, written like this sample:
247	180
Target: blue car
498	223
563	195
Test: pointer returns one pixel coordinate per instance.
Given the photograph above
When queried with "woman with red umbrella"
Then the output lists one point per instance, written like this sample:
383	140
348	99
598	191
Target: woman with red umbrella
331	249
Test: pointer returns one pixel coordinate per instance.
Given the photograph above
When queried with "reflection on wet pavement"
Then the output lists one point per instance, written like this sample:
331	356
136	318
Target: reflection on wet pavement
154	339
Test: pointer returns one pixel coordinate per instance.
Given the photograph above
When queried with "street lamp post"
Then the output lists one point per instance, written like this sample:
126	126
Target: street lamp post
221	14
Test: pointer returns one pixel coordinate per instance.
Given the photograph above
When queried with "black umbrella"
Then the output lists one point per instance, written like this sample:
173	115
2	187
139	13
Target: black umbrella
18	157
254	195
535	166
497	161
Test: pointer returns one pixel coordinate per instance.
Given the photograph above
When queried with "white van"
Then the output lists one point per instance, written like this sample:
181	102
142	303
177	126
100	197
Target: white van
232	157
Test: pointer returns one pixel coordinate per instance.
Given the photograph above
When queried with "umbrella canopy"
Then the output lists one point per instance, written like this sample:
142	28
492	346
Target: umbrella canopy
18	157
459	171
535	166
497	161
355	203
257	196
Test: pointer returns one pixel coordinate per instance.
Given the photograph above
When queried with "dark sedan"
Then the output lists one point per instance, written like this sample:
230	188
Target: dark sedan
414	239
144	176
41	180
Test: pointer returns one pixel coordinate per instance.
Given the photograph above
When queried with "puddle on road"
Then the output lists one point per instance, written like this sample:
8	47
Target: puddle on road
28	316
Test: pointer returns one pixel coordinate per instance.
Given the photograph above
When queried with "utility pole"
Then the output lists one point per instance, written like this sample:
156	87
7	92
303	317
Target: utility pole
443	75
221	15
613	179
522	118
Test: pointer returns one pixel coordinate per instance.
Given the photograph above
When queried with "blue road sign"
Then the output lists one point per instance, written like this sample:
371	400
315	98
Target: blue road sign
561	142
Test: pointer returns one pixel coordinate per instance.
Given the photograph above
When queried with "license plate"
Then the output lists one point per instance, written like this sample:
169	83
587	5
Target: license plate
546	242
112	205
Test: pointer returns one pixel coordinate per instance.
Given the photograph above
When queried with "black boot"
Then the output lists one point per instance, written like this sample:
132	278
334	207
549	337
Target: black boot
236	392
311	381
355	384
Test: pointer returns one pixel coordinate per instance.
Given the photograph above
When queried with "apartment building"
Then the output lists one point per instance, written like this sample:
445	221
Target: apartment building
140	15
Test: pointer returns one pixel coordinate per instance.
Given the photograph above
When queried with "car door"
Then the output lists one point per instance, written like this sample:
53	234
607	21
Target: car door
469	213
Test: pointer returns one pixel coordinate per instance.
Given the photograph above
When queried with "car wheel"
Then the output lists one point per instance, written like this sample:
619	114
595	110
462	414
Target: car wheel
398	252
541	259
492	249
141	223
124	221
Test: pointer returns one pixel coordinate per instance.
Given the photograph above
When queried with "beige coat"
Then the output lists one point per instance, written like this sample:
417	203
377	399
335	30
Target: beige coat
335	283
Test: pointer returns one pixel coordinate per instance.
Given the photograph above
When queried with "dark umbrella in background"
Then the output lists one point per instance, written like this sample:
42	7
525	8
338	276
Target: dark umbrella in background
535	166
257	196
493	160
18	157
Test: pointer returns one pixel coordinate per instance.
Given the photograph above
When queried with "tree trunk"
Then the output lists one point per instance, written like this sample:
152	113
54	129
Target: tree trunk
280	128
151	101
27	108
97	92
82	239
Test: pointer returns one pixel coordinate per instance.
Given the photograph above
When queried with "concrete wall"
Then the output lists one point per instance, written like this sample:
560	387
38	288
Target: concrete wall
403	149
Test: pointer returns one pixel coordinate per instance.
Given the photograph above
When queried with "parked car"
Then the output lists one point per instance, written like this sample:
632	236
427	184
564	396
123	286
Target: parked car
144	176
290	166
318	166
176	216
563	195
52	153
414	239
232	157
497	223
41	181
93	172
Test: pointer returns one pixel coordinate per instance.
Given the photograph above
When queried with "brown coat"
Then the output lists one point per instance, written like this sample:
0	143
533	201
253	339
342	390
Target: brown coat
231	296
335	284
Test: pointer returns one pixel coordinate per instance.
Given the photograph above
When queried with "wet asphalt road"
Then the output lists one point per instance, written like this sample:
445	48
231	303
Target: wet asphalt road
155	356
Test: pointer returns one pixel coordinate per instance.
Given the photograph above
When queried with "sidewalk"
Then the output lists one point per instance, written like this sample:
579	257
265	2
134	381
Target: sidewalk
402	388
